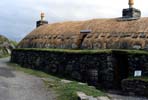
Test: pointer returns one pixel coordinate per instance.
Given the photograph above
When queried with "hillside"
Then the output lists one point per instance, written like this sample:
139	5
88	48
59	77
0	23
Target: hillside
6	46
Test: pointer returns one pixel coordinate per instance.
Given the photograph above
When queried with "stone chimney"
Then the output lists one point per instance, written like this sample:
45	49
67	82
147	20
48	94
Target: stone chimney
131	13
41	21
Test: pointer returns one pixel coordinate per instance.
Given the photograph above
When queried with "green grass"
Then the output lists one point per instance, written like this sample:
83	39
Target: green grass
68	91
143	78
30	71
65	91
98	51
131	52
66	50
4	56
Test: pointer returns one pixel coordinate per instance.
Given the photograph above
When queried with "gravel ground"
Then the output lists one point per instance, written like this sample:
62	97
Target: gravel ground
15	85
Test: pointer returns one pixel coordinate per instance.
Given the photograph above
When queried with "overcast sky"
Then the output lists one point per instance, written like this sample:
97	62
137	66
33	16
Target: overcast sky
18	17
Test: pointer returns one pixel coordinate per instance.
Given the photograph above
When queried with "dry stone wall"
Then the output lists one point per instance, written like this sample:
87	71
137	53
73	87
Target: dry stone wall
138	62
135	87
99	69
95	69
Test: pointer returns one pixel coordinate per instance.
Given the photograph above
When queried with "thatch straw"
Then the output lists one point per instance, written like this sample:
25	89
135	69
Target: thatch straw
102	30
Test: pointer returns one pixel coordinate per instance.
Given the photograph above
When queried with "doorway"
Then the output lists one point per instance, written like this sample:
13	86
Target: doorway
121	68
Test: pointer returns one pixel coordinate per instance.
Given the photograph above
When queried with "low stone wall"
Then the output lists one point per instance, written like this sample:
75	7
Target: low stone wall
135	87
138	62
135	60
100	68
95	69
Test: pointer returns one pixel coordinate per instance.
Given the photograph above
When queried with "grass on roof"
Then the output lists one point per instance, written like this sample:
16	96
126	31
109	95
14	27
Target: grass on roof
143	78
132	52
86	51
66	50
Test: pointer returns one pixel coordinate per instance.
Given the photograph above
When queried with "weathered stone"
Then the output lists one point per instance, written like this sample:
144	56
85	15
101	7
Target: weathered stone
76	75
69	65
82	83
103	98
137	87
95	69
131	13
82	96
66	81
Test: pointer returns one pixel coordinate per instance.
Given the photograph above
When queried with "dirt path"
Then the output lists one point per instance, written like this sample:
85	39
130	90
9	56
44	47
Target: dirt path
16	85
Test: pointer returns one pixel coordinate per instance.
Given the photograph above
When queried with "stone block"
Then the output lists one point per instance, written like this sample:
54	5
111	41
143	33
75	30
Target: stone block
66	81
103	98
131	13
136	87
82	96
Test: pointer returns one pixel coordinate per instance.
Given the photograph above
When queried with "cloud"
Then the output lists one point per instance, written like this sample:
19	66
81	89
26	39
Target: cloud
18	17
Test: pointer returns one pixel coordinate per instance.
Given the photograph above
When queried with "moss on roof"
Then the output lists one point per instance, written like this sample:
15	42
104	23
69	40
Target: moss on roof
99	51
66	50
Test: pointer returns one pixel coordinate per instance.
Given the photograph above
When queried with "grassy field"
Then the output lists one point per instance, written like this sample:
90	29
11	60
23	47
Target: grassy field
65	91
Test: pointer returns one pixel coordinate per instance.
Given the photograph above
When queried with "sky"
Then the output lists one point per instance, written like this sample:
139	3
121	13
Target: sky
18	17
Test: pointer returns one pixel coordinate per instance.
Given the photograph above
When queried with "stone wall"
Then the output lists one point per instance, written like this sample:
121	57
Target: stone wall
95	69
138	62
135	87
105	69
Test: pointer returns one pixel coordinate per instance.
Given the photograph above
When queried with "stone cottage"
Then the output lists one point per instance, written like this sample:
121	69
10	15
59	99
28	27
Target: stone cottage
127	32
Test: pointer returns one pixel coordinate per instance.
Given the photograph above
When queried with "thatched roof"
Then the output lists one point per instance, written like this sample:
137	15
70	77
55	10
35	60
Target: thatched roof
71	28
99	25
